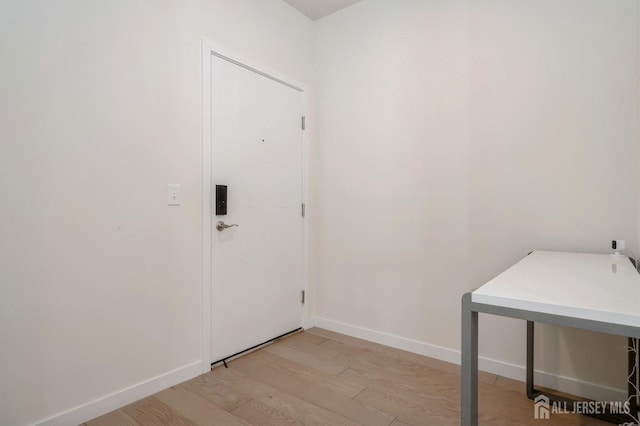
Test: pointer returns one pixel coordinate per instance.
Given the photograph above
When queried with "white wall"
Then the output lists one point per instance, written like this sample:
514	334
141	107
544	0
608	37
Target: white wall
100	109
453	137
430	175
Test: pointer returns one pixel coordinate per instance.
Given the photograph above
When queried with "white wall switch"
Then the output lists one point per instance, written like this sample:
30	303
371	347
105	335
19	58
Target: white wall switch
173	195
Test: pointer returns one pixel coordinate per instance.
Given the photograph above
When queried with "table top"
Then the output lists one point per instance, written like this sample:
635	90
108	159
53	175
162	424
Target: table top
579	285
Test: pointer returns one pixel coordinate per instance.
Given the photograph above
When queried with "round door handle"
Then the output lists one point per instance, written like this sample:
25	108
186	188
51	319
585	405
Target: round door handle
221	226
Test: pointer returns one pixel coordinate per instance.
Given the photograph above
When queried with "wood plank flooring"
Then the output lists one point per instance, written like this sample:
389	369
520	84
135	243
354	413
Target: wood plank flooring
323	378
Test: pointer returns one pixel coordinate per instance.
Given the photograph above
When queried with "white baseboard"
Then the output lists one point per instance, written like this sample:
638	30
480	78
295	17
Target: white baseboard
123	397
512	371
397	342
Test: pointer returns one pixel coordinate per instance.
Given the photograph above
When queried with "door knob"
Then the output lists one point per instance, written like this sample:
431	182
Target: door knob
221	226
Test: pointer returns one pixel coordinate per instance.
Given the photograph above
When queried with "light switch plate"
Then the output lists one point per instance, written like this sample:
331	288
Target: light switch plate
173	195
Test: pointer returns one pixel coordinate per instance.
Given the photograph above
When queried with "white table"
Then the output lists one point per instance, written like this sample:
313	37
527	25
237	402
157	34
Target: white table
585	291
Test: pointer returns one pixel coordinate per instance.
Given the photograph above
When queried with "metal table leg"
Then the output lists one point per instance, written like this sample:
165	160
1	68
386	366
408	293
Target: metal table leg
530	342
469	400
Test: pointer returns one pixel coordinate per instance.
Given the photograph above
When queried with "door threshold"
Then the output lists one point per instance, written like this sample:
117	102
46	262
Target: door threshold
255	348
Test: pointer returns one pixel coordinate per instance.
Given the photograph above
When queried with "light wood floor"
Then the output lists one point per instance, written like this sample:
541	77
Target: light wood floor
321	377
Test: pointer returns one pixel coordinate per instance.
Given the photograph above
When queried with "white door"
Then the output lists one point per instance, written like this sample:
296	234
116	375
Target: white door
257	153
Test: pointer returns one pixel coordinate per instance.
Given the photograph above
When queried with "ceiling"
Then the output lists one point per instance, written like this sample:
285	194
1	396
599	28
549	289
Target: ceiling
316	9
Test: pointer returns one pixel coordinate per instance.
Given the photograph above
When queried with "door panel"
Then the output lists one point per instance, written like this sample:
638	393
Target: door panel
257	152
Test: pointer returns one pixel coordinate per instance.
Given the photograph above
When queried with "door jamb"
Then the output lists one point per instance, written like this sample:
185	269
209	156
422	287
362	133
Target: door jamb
208	49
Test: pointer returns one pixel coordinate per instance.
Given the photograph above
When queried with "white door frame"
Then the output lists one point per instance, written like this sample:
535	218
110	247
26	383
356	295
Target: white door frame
207	172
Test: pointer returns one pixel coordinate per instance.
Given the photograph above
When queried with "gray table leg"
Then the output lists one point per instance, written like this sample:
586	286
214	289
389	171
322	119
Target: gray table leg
530	370
469	363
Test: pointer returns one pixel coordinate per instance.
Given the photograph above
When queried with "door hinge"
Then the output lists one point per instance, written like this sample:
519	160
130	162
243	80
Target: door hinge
304	210
304	123
303	297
